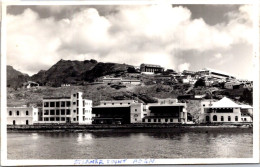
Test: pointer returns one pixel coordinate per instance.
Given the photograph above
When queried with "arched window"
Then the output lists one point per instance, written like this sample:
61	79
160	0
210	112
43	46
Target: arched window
229	118
17	112
236	118
222	118
215	118
27	112
10	112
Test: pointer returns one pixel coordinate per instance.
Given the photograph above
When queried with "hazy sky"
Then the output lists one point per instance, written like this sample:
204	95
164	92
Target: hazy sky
179	37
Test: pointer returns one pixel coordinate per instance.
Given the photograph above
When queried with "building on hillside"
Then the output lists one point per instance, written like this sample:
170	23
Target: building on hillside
214	73
117	112
30	84
130	82
65	85
151	68
73	109
111	80
222	111
166	111
231	85
22	115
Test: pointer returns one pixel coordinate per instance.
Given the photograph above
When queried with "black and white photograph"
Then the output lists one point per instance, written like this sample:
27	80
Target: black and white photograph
126	83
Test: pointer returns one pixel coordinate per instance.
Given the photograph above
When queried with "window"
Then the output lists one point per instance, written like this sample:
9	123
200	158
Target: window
143	120
135	110
74	103
171	120
10	112
112	103
46	119
77	111
149	120
83	118
77	95
135	119
57	118
46	104
129	103
63	104
154	120
52	104
27	112
245	119
74	119
120	103
222	118
77	103
74	95
236	118
62	118
105	103
77	118
27	122
145	114
52	112
215	118
46	112
52	119
229	118
203	105
74	111
68	112
57	112
166	120
62	112
159	120
57	104
68	103
17	113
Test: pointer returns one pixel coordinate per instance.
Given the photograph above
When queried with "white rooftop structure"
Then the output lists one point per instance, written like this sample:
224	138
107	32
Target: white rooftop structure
225	103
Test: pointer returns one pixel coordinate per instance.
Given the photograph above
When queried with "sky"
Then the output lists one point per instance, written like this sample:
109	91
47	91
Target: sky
179	37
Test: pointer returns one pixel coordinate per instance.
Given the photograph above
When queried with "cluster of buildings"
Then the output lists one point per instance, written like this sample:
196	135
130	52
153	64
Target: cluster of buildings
76	110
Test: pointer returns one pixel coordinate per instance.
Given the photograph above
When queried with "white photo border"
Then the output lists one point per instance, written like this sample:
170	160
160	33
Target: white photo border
254	159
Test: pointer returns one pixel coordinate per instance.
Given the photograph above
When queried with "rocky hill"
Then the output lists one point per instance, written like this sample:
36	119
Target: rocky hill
67	72
15	78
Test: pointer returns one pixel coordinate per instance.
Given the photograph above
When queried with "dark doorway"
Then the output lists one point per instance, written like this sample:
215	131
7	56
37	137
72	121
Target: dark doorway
27	122
215	118
13	122
207	118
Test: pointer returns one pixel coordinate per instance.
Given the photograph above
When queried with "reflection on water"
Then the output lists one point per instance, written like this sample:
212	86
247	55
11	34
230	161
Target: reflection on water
109	144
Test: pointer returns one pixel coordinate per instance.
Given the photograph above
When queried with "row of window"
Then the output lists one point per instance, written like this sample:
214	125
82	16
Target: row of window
63	112
57	104
159	120
18	113
119	103
63	119
215	118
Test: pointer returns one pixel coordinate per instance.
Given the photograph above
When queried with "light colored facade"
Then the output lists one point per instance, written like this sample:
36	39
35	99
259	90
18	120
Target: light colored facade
214	73
73	109
22	115
224	110
131	82
111	80
165	111
230	85
151	68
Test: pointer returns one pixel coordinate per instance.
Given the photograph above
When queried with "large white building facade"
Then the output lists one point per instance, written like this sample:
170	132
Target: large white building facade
225	111
22	115
73	109
130	111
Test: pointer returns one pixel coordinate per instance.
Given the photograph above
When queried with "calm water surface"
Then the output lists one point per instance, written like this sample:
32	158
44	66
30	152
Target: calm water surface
120	145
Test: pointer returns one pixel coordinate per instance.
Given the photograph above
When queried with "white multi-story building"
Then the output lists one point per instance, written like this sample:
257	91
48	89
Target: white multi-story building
73	109
165	111
22	115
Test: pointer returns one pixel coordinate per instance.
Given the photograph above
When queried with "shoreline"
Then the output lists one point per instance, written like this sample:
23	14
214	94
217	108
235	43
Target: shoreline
133	128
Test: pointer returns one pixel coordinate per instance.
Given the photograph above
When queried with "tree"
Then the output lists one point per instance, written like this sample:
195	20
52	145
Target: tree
247	96
199	82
